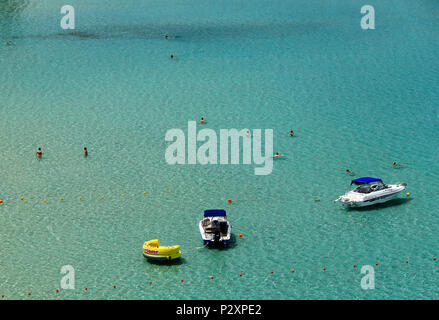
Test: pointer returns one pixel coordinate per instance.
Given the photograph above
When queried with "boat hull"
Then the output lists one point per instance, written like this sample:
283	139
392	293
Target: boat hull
161	257
216	243
370	202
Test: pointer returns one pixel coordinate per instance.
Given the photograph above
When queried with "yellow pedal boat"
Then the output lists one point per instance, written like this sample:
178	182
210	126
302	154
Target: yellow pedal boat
153	251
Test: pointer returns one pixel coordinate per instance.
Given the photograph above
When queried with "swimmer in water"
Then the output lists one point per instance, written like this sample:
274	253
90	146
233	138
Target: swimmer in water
172	56
85	152
291	133
278	156
398	164
202	120
349	172
39	153
10	43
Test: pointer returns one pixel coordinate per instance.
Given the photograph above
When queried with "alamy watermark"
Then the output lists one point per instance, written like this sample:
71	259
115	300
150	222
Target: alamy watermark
368	281
68	280
68	21
368	20
207	153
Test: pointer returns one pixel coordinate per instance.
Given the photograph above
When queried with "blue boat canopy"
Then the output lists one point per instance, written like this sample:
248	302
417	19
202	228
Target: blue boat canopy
215	213
365	180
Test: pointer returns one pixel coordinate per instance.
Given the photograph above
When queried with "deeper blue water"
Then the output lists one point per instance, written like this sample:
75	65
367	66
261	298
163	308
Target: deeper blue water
357	99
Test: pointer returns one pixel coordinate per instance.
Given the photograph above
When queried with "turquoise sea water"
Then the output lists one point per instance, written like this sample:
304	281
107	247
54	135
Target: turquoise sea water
356	99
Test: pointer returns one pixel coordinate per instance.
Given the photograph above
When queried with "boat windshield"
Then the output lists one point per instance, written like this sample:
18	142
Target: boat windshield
368	188
215	226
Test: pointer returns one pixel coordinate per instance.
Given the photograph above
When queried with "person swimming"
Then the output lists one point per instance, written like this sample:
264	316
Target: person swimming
39	153
291	133
278	156
10	43
202	120
172	56
397	164
85	152
166	36
349	172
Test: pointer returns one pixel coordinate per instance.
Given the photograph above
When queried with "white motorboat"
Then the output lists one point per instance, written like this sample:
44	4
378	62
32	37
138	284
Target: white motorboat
215	229
370	191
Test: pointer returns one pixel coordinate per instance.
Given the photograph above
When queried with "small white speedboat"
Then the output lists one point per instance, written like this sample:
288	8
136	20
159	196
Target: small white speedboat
215	229
370	191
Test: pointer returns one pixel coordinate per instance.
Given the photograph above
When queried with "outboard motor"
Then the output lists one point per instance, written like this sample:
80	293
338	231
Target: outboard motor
223	227
216	237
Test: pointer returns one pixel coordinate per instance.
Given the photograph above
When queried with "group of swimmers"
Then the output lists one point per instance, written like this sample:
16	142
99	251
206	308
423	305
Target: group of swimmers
277	155
394	165
166	37
40	153
202	121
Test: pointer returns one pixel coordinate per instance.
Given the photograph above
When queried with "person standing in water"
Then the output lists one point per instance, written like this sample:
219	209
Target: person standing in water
85	152
39	153
202	120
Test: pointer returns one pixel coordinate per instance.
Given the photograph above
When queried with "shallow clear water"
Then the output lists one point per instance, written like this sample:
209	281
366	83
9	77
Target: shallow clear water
356	99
